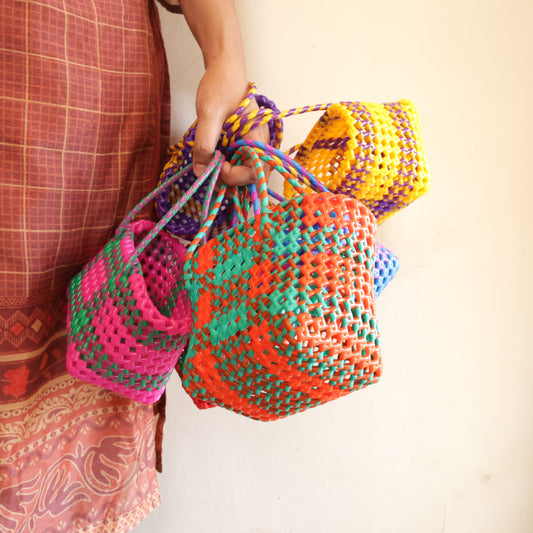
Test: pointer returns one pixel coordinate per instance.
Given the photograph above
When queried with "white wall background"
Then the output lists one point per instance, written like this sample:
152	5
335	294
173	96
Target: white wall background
444	443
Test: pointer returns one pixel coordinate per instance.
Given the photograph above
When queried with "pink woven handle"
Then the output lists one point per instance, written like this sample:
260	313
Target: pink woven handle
212	172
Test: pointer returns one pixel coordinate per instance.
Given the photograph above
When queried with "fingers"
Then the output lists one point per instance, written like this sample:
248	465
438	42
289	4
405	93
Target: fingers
219	92
205	143
212	111
234	175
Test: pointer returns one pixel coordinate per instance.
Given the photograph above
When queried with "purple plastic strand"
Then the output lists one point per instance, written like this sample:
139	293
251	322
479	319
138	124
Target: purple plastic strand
276	196
406	159
364	156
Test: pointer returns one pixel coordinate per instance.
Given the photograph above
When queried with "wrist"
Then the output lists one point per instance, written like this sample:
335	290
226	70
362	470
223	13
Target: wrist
229	68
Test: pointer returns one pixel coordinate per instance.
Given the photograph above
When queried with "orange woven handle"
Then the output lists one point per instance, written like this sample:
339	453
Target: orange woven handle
260	173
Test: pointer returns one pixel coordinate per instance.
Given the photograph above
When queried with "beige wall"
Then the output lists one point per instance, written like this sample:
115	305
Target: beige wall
445	441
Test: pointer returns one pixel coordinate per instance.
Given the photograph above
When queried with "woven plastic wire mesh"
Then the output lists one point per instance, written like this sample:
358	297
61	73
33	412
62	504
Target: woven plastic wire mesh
370	151
386	264
283	308
127	326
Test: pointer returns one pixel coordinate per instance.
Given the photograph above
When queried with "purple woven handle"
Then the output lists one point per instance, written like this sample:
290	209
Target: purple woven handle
256	118
252	90
151	196
232	127
264	103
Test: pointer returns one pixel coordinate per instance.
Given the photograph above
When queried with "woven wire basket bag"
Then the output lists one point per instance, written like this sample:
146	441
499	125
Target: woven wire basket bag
283	314
386	266
371	151
129	315
186	222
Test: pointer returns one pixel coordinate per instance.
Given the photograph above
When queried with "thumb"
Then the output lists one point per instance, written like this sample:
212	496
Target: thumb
205	142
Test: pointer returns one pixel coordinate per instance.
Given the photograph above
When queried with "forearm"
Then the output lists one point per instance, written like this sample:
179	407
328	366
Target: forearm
215	26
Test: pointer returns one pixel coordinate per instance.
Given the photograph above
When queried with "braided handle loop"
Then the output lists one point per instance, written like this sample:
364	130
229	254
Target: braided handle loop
285	165
212	172
277	160
259	203
241	125
237	125
234	125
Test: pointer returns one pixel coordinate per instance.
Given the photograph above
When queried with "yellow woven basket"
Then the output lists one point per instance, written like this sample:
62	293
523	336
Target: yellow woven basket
370	151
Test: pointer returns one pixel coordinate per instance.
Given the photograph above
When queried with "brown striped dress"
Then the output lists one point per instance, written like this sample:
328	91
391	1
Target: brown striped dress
84	121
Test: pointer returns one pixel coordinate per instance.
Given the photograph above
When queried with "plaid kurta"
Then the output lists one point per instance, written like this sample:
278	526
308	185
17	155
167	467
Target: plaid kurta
84	115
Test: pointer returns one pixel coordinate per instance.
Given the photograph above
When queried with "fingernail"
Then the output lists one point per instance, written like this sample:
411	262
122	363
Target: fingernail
199	169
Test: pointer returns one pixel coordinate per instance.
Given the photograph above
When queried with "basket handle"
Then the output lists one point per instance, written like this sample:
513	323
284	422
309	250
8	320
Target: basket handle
188	139
234	127
292	171
262	204
152	195
231	127
211	172
276	159
207	223
259	202
285	165
237	126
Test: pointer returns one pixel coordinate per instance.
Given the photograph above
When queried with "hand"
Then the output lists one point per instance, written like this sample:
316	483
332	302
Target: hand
220	92
215	26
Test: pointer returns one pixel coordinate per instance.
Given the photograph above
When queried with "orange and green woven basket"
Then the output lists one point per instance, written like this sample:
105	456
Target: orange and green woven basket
283	314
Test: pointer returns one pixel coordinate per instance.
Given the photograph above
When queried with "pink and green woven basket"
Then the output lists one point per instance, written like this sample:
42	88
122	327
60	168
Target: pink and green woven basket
129	315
